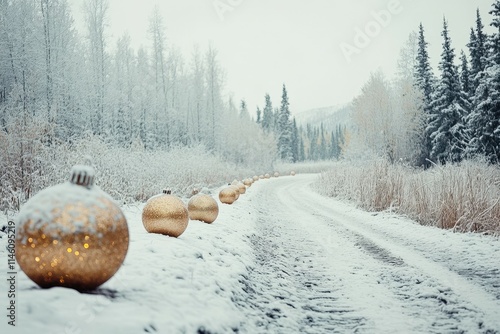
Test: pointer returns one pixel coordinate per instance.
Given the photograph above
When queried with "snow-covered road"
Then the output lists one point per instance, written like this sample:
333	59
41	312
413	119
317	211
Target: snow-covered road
282	259
324	266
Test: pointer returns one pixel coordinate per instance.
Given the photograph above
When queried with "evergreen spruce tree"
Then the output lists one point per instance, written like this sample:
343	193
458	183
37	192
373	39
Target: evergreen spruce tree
322	144
446	123
267	115
424	80
259	115
478	52
302	151
485	119
466	96
295	141
465	74
284	128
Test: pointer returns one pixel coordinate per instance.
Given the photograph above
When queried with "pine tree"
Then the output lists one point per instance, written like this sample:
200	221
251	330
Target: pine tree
267	115
244	111
322	144
483	122
485	119
446	124
259	115
295	141
284	128
465	74
478	52
424	80
466	88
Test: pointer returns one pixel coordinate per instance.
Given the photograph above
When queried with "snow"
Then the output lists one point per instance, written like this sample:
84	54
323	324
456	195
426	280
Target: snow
282	258
39	210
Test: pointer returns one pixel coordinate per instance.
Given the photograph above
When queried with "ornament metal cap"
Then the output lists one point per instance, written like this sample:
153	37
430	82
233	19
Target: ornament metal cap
167	191
82	175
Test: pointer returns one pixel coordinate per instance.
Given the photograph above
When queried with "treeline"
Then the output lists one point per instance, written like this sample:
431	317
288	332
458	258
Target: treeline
61	89
424	118
73	85
294	143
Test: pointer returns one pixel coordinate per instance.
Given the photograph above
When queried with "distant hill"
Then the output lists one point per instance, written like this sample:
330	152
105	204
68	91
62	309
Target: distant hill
329	116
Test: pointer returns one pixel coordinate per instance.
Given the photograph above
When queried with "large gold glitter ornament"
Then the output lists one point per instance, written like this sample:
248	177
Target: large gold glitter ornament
228	195
165	214
71	235
203	207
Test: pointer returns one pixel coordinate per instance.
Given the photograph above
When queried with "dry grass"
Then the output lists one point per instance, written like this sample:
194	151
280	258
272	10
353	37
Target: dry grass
463	197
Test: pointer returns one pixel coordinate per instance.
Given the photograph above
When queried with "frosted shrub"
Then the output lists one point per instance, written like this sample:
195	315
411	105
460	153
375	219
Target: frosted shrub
461	197
128	175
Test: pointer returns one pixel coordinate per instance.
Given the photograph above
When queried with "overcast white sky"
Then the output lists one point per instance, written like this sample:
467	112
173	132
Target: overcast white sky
265	43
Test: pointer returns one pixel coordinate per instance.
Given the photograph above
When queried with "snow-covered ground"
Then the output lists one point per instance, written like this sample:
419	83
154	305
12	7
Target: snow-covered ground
282	259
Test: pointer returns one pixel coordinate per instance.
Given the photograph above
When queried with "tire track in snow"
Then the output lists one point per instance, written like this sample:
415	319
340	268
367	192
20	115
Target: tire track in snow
449	300
290	288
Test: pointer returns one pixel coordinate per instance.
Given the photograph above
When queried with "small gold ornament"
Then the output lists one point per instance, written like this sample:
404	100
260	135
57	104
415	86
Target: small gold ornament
248	182
276	174
203	207
236	190
241	188
292	173
262	177
255	178
165	214
267	176
71	235
228	195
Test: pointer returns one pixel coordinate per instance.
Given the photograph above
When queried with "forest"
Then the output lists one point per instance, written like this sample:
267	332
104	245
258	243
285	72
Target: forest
155	117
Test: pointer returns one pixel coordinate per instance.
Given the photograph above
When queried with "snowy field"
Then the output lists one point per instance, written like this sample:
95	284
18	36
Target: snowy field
282	259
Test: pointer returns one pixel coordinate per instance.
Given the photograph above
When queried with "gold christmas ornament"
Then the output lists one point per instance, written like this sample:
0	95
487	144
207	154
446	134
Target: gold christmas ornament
203	207
292	173
255	178
236	190
248	182
71	235
165	214
276	174
262	177
228	195
241	188
267	176
235	182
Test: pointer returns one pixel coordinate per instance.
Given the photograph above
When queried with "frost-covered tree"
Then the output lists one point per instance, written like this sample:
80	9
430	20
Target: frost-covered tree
373	115
96	13
214	81
465	74
267	115
284	128
478	52
484	121
295	141
424	80
449	108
